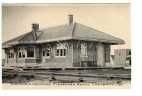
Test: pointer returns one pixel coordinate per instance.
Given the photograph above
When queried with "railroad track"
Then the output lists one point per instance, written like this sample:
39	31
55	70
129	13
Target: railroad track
70	75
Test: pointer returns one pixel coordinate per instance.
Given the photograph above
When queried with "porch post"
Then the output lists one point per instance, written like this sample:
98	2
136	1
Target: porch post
100	55
15	54
6	55
107	55
35	52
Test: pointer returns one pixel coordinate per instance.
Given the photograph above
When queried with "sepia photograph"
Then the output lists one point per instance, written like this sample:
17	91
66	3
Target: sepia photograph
57	45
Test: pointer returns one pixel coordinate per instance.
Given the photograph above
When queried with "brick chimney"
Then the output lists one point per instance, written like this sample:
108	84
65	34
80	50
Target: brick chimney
35	28
70	19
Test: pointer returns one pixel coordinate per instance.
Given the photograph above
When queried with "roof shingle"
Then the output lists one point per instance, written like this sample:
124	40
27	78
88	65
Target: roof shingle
65	32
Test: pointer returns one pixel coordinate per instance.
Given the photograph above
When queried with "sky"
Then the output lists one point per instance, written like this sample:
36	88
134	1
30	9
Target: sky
113	19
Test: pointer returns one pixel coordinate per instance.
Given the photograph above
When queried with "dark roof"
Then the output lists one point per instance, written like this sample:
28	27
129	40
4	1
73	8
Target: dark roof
74	31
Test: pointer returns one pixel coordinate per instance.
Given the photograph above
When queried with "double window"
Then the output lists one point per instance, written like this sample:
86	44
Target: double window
46	52
61	49
61	52
29	52
11	54
21	52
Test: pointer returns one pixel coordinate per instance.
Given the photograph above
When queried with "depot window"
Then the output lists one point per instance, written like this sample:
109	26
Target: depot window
11	54
30	52
46	52
61	50
21	52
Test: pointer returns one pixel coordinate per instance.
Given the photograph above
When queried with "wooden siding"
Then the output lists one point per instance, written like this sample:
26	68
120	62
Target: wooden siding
97	55
92	54
76	53
100	55
11	60
120	58
107	55
59	61
84	61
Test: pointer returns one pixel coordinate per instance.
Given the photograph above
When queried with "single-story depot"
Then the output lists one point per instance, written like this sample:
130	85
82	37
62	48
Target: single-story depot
64	46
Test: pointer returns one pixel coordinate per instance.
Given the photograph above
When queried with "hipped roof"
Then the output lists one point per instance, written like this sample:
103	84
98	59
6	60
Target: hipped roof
75	31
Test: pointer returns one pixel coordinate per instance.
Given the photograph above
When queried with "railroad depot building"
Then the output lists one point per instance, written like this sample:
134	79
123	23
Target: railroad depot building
64	46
